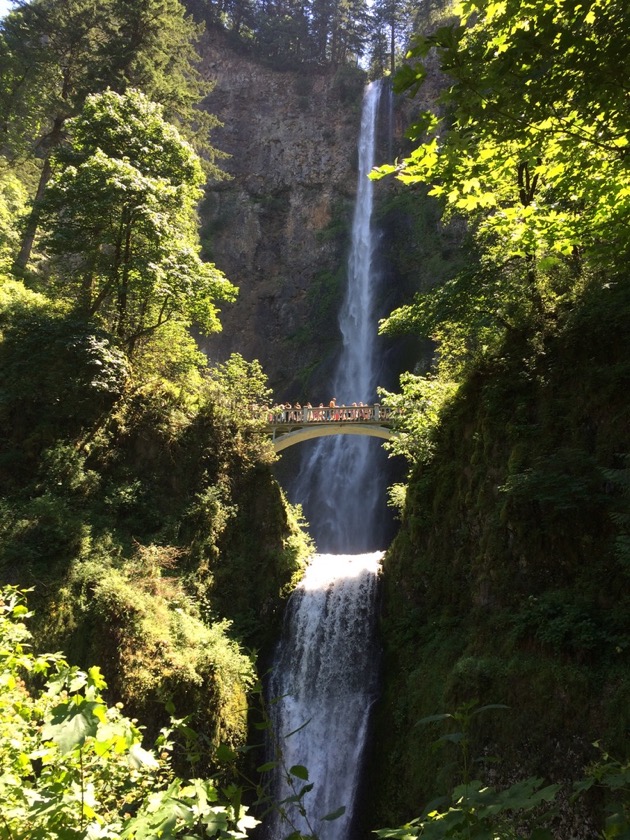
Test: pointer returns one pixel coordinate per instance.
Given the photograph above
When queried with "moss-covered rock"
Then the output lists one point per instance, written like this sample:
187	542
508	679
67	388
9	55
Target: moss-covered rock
508	582
159	544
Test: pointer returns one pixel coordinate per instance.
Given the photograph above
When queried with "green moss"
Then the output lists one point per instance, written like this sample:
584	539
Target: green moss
136	619
506	583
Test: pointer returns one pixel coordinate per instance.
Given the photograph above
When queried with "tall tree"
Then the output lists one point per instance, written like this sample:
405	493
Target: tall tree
283	31
119	221
321	18
348	30
391	21
54	53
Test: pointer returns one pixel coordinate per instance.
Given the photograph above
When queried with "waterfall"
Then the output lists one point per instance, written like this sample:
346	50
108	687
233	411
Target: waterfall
324	674
321	689
336	481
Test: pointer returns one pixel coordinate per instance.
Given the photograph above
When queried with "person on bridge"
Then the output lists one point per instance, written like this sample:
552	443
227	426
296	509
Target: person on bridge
332	415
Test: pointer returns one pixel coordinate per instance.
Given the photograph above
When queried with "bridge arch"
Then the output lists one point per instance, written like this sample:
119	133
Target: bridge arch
290	425
287	439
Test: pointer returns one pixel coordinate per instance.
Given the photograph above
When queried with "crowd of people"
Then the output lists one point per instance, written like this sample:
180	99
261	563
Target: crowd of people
308	413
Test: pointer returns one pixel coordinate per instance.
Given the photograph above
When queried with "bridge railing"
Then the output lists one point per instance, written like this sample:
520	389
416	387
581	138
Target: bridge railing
330	414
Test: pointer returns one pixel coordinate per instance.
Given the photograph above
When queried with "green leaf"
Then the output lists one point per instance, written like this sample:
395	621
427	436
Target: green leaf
265	768
72	731
223	753
489	707
453	737
334	815
299	771
139	757
434	719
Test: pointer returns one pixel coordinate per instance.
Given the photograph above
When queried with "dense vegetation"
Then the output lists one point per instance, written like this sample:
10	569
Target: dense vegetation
74	767
137	496
508	581
293	33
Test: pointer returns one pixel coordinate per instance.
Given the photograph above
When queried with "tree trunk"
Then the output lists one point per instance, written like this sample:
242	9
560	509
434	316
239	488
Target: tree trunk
392	53
30	230
123	291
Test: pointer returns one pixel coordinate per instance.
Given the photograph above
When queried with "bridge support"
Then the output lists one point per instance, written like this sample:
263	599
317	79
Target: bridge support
310	432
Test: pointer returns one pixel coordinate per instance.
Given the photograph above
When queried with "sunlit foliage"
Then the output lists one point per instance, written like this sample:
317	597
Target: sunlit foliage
530	134
75	767
119	221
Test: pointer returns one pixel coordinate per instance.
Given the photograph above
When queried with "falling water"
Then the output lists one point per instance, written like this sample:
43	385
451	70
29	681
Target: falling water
336	482
321	690
324	674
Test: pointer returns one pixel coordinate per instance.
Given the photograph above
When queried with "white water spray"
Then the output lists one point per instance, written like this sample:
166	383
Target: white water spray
321	690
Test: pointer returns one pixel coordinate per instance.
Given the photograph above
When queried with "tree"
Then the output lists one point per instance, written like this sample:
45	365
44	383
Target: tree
12	203
530	136
119	222
528	141
321	16
283	31
240	384
391	19
54	54
348	32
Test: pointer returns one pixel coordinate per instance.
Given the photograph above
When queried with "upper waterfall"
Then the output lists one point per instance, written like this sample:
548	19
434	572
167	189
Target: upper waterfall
336	482
355	378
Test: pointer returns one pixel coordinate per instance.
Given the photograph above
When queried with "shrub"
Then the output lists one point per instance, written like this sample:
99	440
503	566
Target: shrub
74	767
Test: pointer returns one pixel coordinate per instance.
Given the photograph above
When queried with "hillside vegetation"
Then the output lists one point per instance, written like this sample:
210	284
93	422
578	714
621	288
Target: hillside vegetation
138	501
137	496
508	582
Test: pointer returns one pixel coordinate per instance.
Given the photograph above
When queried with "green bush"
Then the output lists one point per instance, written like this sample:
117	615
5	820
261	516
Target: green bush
135	618
74	768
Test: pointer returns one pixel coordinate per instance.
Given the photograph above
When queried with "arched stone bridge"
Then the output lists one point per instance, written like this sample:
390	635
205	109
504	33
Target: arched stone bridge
293	425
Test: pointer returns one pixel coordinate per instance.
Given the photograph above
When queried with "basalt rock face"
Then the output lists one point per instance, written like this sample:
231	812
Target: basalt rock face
278	226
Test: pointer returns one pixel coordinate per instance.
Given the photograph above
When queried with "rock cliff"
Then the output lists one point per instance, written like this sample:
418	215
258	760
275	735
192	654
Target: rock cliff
277	227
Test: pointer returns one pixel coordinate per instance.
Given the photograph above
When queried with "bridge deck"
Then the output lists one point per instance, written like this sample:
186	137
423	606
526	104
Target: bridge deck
289	426
289	418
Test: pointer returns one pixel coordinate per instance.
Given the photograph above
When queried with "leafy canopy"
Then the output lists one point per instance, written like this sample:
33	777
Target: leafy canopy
528	142
530	136
241	383
54	53
119	221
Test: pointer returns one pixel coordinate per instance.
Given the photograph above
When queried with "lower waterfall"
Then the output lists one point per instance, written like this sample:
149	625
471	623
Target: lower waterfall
323	684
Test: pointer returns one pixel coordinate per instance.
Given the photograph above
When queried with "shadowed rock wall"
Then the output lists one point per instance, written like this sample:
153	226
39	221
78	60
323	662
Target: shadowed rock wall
278	227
